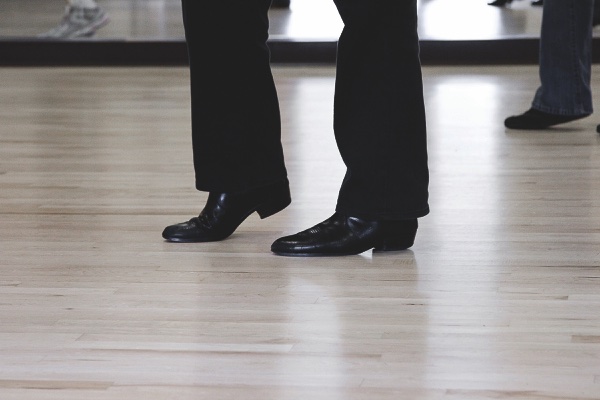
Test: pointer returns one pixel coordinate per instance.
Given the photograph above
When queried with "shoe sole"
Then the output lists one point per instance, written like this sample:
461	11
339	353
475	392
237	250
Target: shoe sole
383	248
284	254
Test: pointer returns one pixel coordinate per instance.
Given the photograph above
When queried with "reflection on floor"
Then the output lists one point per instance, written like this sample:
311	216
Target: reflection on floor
305	20
498	299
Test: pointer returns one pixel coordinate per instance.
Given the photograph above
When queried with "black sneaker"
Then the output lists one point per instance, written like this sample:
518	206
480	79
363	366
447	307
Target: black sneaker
533	119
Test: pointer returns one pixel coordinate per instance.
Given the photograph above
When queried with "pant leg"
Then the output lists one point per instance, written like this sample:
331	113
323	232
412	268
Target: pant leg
236	132
379	116
565	58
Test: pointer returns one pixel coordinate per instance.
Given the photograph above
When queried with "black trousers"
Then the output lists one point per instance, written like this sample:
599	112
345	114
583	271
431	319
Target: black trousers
379	116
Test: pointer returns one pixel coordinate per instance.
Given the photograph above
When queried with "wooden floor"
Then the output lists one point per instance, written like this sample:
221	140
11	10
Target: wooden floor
498	299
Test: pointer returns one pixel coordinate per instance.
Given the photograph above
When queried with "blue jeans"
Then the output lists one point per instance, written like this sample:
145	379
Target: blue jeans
565	58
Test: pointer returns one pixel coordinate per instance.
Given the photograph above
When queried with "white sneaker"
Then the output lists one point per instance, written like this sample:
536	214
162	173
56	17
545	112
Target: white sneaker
78	22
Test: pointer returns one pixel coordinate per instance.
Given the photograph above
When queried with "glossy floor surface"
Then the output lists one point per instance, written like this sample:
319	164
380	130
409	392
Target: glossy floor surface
498	299
305	20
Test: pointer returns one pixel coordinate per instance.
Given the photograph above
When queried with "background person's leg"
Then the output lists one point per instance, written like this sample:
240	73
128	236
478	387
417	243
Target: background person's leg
82	18
565	58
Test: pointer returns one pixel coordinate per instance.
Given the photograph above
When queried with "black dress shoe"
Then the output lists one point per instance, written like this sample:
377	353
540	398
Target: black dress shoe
280	4
340	235
224	212
534	119
499	3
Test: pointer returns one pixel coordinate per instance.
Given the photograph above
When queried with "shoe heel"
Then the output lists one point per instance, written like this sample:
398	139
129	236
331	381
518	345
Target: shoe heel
395	244
271	207
401	237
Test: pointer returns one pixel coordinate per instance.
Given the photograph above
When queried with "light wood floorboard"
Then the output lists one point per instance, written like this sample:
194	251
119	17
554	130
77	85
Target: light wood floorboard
498	299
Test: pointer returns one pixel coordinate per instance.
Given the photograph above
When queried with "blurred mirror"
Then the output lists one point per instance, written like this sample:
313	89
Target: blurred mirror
295	20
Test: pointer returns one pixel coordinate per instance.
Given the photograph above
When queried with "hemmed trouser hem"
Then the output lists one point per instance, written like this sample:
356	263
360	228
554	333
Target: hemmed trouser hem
224	188
384	216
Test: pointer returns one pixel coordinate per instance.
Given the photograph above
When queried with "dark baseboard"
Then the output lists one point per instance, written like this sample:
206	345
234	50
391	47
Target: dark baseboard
27	52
